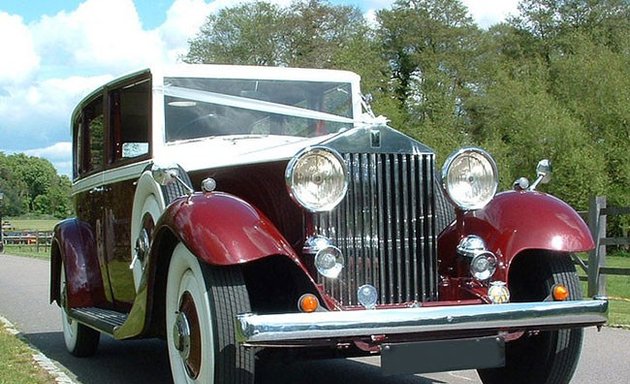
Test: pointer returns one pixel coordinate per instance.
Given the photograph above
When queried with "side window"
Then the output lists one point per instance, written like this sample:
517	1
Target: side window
78	146
89	134
130	120
96	134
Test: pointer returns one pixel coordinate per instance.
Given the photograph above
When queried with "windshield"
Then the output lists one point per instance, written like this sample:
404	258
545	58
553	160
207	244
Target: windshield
198	108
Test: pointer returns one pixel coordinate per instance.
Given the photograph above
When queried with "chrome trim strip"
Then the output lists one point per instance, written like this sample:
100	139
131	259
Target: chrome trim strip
110	176
261	330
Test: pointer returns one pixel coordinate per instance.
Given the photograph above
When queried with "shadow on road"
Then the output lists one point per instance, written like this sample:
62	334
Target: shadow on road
146	362
134	361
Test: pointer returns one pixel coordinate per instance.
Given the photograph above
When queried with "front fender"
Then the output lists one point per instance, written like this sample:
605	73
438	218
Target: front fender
219	229
74	245
516	221
222	229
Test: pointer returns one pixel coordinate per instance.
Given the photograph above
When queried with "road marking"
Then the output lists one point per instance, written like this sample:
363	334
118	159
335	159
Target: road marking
42	360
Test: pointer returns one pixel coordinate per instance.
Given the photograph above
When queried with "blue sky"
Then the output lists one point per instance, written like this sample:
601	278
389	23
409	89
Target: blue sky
54	52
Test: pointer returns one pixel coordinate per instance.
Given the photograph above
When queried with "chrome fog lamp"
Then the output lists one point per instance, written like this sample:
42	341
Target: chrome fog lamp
470	178
470	246
329	262
316	243
483	266
316	179
367	296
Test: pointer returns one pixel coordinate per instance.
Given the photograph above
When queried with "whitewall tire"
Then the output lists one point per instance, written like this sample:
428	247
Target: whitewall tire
201	304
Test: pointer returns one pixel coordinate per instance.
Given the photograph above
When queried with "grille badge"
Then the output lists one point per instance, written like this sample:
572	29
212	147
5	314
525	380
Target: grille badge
375	138
367	296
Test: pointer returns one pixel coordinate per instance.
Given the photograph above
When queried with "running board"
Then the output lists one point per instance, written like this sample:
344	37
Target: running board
103	320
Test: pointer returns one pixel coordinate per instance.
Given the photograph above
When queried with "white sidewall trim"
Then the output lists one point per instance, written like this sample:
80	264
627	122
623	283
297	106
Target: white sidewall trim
148	199
185	275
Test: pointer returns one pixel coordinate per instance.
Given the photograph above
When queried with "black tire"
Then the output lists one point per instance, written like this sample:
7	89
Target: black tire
80	340
547	357
206	296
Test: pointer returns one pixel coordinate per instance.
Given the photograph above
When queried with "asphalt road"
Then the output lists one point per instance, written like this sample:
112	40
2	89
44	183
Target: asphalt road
24	285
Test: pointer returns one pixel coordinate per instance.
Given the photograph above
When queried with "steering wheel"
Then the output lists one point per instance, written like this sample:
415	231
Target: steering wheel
201	126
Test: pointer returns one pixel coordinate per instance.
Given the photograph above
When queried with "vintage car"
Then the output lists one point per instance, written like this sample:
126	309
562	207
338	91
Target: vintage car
245	213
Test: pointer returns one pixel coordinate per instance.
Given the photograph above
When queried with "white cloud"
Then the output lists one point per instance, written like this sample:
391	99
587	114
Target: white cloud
183	20
100	35
489	12
55	151
43	102
19	59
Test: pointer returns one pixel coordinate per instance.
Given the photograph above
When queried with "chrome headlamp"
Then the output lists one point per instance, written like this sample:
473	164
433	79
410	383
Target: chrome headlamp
316	179
470	178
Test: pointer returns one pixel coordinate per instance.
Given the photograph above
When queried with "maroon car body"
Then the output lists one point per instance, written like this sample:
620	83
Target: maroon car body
241	211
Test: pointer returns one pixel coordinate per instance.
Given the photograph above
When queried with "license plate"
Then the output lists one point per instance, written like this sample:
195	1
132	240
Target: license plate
442	355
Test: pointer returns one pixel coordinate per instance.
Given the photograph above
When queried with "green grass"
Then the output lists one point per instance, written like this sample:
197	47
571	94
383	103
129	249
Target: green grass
16	362
41	225
618	286
28	251
617	290
619	313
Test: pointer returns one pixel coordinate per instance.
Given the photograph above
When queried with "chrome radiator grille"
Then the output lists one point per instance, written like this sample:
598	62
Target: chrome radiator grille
385	228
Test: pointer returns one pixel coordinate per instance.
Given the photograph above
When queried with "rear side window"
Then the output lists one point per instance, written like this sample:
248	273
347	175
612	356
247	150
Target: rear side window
89	139
130	120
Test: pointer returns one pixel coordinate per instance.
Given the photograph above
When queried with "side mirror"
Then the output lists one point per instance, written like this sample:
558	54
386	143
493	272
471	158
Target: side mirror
543	171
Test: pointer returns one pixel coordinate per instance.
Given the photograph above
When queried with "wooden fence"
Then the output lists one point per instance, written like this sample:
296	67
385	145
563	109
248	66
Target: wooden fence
38	240
596	269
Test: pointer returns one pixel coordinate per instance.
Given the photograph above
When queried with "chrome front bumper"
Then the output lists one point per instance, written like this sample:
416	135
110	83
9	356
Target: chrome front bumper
306	328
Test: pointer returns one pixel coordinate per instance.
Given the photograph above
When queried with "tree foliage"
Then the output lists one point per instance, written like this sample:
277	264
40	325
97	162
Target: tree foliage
551	82
305	34
31	185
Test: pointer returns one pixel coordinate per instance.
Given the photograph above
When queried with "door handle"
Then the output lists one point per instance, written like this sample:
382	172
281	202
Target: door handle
97	190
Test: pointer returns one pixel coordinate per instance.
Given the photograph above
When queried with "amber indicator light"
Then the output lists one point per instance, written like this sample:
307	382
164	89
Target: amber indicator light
560	292
308	303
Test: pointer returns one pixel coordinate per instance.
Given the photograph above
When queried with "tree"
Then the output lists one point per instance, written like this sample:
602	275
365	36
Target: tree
431	45
246	34
259	34
519	122
31	185
320	31
585	47
593	83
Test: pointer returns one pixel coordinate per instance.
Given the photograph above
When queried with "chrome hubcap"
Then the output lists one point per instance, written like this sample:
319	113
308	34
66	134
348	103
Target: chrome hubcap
187	335
181	335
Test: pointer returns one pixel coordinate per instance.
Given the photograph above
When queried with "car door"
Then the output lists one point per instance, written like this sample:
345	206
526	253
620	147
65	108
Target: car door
89	153
127	155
